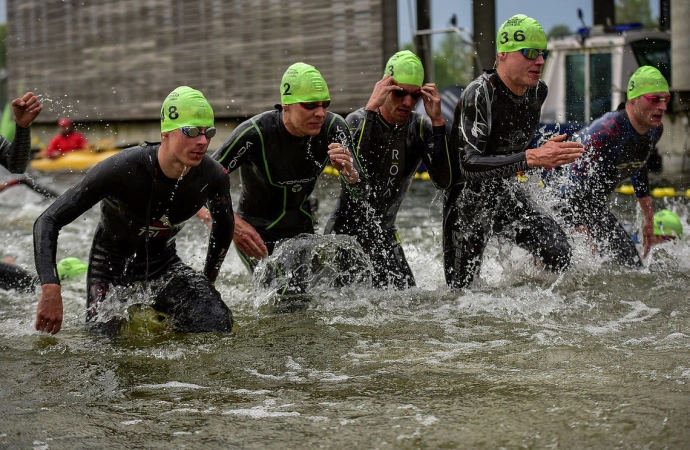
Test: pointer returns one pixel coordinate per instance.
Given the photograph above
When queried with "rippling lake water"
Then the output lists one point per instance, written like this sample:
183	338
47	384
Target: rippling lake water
598	357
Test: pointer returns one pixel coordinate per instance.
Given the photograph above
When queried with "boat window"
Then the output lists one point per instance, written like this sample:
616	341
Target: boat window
575	88
600	84
656	53
580	105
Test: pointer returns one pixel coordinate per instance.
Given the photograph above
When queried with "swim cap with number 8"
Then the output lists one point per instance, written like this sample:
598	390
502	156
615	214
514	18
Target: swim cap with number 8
185	107
520	32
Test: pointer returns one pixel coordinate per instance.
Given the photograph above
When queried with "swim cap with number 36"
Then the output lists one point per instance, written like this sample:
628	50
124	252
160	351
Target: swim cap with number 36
520	32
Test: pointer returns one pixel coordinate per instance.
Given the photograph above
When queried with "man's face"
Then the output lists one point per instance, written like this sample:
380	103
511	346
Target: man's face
399	104
521	71
65	129
188	151
649	108
301	121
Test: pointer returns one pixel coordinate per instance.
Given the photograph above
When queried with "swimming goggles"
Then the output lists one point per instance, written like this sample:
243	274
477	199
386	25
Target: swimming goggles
533	53
402	93
192	132
310	106
654	99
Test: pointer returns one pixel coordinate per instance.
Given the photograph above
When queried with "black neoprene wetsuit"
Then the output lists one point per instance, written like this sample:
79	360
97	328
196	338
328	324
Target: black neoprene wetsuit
491	130
614	151
279	172
15	156
390	156
142	211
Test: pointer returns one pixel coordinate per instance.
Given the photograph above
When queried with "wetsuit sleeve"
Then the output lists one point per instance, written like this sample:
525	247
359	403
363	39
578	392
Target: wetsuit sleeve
243	140
469	137
339	131
436	154
222	230
15	156
78	199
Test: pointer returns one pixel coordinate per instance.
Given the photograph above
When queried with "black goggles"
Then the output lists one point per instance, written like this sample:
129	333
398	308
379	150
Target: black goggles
310	106
533	53
192	132
402	93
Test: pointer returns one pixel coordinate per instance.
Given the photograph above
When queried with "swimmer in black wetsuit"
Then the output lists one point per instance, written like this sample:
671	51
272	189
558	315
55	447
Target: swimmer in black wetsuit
147	193
281	154
494	123
392	140
15	156
617	146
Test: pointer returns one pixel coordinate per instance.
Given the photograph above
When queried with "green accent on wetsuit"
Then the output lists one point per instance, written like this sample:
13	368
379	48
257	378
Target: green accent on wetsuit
279	171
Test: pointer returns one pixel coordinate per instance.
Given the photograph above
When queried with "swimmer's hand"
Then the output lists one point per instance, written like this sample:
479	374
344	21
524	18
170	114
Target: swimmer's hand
49	311
555	152
341	158
248	240
205	216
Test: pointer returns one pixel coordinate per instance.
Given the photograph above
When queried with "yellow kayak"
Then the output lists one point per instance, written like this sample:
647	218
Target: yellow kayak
76	161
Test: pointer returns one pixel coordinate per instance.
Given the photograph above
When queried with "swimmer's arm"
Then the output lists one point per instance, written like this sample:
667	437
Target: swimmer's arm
222	227
648	228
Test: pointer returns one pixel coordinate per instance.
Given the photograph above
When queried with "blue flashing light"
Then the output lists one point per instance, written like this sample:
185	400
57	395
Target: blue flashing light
584	32
628	26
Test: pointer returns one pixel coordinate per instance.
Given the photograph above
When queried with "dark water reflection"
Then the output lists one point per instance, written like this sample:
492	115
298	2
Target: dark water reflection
596	358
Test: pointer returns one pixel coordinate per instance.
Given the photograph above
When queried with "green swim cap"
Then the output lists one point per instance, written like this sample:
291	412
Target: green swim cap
666	223
303	83
520	32
185	107
646	79
70	267
406	68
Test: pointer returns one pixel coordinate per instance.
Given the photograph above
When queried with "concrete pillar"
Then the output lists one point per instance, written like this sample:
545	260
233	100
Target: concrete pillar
423	42
484	33
390	29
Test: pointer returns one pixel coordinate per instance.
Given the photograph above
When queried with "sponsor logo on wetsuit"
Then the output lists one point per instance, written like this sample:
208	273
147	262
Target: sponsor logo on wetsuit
234	161
633	164
393	172
159	228
296	184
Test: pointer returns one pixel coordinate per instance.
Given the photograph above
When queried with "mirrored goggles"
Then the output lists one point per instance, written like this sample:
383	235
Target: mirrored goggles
192	132
533	53
310	106
654	99
402	93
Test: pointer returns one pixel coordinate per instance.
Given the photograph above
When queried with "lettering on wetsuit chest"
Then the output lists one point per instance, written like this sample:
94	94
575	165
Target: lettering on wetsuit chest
393	172
633	164
159	228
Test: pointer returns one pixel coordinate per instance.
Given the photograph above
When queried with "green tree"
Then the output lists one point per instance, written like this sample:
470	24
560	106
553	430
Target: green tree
632	11
558	31
453	62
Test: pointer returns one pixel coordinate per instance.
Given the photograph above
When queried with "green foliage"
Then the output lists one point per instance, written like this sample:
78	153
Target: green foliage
631	11
453	62
558	31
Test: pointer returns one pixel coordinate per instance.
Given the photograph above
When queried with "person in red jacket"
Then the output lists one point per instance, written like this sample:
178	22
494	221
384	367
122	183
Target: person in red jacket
68	140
